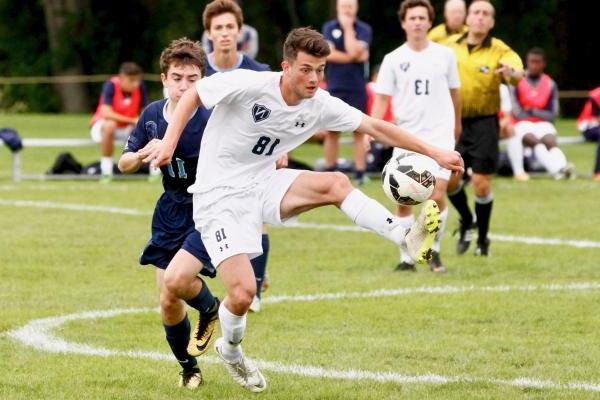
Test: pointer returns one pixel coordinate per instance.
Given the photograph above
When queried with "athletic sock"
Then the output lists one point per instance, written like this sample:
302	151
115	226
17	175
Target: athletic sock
106	166
232	329
514	148
437	241
259	264
406	223
359	175
558	160
178	336
483	210
204	301
458	198
369	214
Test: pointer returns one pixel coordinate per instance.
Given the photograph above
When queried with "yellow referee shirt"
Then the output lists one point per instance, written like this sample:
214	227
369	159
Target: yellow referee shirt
479	84
440	33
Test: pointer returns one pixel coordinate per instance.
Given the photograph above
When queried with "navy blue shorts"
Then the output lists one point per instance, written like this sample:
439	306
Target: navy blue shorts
357	99
173	229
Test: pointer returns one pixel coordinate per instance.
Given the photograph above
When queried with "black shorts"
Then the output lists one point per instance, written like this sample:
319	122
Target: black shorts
478	144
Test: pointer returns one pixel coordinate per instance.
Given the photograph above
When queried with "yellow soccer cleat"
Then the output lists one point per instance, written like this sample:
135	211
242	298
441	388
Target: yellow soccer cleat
190	379
419	238
204	331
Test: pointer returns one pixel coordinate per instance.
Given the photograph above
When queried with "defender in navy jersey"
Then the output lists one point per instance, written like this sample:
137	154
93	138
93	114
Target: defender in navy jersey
174	237
223	20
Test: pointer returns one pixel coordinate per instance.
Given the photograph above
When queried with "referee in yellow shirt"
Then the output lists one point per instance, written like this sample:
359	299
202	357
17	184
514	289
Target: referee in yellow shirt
483	63
455	12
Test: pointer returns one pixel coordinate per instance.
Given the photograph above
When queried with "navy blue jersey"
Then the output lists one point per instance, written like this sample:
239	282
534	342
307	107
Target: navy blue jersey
244	62
346	77
181	172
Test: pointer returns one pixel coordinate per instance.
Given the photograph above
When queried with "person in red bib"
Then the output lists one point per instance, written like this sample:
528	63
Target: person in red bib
123	98
588	124
535	106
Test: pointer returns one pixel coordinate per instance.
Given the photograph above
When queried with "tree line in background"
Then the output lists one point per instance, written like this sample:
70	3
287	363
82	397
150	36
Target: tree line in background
86	37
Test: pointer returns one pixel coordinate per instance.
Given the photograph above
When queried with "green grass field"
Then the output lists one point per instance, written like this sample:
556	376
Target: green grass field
523	323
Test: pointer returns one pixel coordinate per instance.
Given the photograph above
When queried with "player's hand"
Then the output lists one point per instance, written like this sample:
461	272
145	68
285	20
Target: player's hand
160	155
450	159
367	139
147	150
346	21
282	162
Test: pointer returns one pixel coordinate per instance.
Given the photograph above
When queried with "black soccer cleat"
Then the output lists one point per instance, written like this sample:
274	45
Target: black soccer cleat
435	263
404	266
483	248
465	237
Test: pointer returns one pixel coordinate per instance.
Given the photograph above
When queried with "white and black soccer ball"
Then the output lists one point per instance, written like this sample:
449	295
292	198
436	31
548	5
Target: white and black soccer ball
406	179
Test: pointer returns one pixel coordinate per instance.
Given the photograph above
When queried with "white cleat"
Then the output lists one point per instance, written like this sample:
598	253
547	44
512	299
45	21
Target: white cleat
243	371
419	238
255	306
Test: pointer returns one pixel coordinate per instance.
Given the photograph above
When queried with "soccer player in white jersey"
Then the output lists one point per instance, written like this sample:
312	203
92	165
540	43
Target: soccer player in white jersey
258	117
421	77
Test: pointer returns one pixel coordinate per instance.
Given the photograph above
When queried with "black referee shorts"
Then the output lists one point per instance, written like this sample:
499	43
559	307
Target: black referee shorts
478	143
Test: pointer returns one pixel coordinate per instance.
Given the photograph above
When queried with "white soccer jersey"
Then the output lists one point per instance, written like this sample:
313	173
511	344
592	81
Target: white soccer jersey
419	84
251	127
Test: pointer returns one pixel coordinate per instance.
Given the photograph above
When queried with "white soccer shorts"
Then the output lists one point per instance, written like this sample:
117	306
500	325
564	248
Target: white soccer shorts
121	134
538	129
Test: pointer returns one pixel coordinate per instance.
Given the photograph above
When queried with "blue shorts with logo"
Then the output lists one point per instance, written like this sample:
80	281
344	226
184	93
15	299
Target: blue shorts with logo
173	229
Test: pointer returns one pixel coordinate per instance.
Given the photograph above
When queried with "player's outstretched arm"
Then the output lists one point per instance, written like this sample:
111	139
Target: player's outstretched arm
163	151
392	135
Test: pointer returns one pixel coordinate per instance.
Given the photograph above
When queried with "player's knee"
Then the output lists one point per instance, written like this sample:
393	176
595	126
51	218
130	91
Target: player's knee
338	187
175	282
241	296
169	303
108	129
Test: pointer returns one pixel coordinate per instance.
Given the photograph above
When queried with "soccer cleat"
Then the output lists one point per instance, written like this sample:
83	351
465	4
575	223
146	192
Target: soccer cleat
265	282
405	266
190	379
435	263
203	333
523	177
465	237
567	172
255	306
419	237
483	248
243	371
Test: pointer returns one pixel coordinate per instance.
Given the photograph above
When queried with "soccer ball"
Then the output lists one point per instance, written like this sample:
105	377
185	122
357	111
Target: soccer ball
406	179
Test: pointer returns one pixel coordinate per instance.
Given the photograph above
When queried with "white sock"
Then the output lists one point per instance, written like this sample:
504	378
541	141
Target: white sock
232	329
369	214
154	171
437	241
559	160
106	166
543	156
406	222
514	148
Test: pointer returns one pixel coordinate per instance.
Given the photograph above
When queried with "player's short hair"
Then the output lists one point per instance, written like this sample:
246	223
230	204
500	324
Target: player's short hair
484	1
218	7
130	69
306	40
183	51
537	51
408	4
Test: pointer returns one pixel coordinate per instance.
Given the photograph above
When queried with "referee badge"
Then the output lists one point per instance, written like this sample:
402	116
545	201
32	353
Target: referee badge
484	69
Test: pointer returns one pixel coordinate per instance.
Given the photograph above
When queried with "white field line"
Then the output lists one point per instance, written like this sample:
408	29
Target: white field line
300	225
431	290
38	334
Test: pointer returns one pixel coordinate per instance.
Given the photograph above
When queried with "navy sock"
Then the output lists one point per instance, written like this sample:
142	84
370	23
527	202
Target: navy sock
178	337
259	264
459	201
203	301
483	212
359	175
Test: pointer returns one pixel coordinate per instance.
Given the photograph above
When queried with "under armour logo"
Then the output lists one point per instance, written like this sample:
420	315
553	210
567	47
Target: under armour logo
389	220
260	112
300	124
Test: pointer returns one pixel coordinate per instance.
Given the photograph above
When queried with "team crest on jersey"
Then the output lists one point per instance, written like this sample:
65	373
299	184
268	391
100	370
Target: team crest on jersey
260	112
404	66
152	129
484	69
